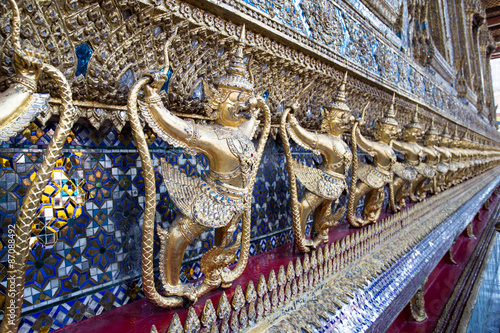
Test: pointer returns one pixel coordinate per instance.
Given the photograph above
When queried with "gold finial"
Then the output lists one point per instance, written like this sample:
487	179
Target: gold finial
250	294
320	256
414	122
208	316
326	253
290	272
192	323
298	267
306	264
445	131
313	260
271	281
340	99
390	117
432	130
175	325
237	75
238	299
223	307
339	104
455	135
466	135
153	329
281	276
261	286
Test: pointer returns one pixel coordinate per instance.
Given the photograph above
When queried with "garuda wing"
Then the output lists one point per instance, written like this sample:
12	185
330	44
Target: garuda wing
318	182
198	200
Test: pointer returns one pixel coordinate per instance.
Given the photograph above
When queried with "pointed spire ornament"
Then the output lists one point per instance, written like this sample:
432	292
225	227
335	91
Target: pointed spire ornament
295	289
267	303
251	311
455	135
214	328
261	286
250	294
192	324
339	104
281	276
414	122
236	74
260	308
390	117
300	283
314	260
153	329
235	323
326	253
208	316
175	325
445	133
238	298
290	272
432	130
288	291
320	257
298	267
271	281
281	294
466	135
243	318
223	307
275	301
305	264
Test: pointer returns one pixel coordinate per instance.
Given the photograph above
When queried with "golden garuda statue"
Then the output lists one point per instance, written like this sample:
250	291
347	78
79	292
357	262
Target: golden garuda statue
221	198
444	165
325	184
406	172
456	158
370	179
426	181
467	156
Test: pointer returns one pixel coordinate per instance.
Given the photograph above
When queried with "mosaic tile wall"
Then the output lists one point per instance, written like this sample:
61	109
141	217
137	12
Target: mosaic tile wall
86	240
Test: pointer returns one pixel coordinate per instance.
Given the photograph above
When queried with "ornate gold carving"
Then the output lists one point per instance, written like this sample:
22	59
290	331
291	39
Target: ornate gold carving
175	325
223	307
208	315
407	173
326	184
217	201
238	299
192	324
369	180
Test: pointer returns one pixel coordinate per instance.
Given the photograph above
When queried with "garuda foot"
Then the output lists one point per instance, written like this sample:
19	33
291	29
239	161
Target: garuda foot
181	290
359	222
310	244
414	198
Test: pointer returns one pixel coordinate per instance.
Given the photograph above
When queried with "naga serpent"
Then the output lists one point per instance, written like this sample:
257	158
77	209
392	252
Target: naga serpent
17	267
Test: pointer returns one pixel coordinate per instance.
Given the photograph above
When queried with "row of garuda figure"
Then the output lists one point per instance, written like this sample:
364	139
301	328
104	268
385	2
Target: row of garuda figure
223	197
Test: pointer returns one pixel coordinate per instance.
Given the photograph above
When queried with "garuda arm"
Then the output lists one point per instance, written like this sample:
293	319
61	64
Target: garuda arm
364	143
304	138
170	128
